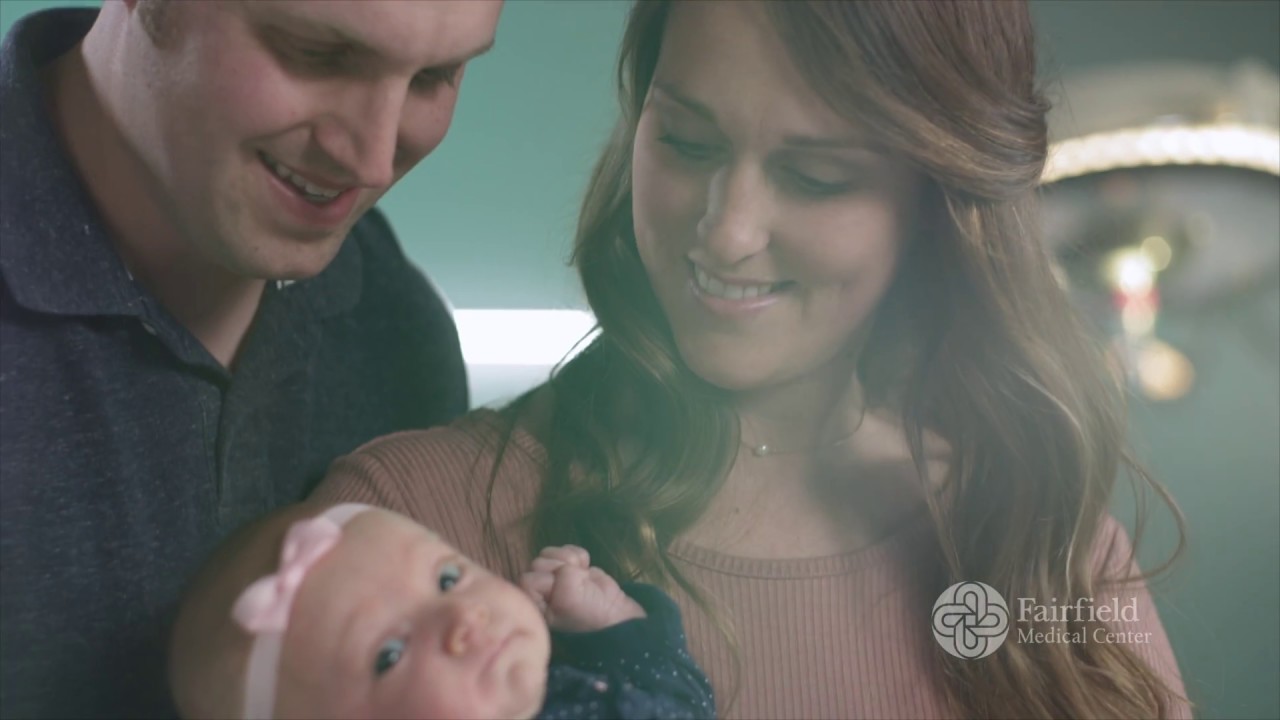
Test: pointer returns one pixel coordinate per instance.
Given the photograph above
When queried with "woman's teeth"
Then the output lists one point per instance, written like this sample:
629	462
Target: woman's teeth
715	288
313	193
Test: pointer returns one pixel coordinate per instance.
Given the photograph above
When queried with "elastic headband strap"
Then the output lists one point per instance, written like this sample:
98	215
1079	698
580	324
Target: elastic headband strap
263	608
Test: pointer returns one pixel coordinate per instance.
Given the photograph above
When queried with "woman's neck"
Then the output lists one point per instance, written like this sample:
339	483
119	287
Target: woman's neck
804	415
812	504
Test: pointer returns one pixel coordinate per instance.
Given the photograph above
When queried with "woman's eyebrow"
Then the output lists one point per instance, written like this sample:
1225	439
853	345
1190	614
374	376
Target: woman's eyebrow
669	93
849	149
802	142
813	142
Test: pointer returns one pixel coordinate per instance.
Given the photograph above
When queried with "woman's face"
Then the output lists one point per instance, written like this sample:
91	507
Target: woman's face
768	229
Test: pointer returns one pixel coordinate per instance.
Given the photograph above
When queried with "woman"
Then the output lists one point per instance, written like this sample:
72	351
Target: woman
835	375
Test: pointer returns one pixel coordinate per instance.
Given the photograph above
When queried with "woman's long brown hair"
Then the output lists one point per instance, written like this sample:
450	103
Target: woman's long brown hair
975	341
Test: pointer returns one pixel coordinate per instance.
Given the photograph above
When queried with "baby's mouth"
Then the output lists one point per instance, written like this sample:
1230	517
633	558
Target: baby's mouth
498	650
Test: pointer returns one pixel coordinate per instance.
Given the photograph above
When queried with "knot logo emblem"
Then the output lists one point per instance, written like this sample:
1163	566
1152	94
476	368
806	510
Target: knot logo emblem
970	620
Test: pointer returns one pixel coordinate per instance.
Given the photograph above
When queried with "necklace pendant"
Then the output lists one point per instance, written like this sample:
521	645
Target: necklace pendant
760	450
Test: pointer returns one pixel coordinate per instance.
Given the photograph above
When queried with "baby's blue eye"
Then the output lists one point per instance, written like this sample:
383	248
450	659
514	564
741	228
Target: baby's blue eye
388	655
450	574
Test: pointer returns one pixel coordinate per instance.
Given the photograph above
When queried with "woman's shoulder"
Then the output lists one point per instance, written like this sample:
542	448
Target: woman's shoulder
1114	552
480	436
454	478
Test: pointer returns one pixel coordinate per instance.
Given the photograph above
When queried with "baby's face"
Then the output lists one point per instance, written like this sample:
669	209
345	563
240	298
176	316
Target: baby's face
393	622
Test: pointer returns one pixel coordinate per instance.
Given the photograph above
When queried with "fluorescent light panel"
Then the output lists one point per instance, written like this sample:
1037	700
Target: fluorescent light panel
521	337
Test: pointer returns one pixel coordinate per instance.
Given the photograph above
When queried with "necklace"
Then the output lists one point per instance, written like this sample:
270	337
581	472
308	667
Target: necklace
765	449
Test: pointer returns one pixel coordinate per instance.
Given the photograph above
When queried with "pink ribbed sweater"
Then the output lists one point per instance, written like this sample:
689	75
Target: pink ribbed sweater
847	636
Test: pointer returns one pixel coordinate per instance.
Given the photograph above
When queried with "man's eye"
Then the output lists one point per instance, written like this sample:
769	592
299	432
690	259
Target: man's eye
318	56
450	575
430	79
689	150
388	655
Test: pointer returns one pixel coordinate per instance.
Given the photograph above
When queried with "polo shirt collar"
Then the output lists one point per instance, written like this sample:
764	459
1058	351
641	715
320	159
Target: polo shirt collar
55	255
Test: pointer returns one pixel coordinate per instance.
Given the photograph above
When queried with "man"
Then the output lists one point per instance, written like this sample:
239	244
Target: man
196	312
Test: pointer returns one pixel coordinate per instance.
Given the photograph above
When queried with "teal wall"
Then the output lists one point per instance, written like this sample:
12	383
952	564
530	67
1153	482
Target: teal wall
490	215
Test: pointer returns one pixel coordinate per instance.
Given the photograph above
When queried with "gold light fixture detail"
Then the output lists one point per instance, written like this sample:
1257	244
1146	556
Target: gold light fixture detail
1254	147
1163	372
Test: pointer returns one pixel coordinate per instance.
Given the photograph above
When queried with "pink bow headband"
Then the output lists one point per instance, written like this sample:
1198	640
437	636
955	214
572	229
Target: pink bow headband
263	608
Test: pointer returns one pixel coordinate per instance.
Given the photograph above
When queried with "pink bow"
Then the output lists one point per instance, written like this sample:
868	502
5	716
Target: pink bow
264	606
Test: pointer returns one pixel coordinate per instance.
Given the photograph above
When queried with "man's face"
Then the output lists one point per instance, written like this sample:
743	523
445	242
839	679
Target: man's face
268	128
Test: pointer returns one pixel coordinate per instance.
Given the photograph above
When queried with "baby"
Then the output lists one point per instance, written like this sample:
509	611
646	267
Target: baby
357	612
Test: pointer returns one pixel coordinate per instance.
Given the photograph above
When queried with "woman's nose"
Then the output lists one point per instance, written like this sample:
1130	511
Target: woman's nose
468	628
734	225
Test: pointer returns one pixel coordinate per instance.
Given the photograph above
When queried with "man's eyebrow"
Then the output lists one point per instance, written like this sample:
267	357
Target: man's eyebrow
332	33
322	30
473	54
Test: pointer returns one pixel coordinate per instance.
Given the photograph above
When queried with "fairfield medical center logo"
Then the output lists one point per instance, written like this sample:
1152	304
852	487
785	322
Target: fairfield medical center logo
971	620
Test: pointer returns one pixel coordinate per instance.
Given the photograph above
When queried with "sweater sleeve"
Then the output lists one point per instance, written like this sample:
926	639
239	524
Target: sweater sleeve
1144	635
443	478
636	669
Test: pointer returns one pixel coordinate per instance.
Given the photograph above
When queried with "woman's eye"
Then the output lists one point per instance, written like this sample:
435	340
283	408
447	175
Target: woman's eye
809	185
449	576
388	655
689	150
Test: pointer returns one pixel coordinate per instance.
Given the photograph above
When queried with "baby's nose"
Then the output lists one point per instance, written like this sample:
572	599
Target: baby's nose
468	629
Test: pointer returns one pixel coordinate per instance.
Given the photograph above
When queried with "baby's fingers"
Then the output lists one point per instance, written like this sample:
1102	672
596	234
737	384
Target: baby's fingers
602	579
538	585
568	590
543	564
568	554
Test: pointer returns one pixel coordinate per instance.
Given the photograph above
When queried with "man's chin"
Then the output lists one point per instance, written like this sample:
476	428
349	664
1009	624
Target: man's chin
291	262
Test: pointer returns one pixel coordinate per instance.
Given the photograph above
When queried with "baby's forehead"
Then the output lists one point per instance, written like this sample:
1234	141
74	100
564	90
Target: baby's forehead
379	560
388	532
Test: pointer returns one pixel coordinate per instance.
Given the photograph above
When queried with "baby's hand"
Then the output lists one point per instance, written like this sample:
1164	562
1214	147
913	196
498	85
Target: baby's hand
574	596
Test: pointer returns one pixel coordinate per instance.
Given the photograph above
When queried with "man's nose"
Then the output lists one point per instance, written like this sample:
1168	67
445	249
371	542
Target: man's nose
734	225
468	628
364	136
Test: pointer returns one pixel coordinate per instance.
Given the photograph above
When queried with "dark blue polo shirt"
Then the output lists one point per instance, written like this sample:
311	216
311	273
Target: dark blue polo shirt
126	450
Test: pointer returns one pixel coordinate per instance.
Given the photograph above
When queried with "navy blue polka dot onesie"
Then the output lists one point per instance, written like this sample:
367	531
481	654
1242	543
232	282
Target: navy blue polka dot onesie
629	671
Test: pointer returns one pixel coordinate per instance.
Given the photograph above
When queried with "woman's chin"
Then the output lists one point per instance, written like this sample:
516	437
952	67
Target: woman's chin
734	377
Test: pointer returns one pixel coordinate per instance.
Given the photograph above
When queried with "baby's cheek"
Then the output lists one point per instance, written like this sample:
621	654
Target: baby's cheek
529	688
448	702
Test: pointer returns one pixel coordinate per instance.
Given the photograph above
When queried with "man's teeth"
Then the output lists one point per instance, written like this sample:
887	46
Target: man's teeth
313	192
715	288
